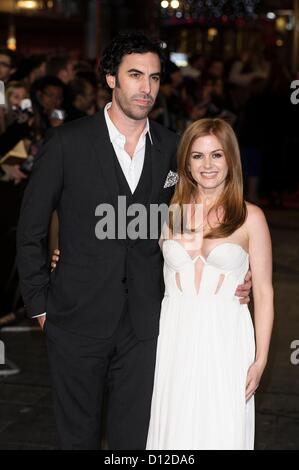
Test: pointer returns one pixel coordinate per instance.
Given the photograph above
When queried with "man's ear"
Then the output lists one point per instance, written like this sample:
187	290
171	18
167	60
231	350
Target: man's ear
110	79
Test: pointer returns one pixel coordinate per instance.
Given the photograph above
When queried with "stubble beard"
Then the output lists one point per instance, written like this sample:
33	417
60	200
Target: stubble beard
138	113
128	108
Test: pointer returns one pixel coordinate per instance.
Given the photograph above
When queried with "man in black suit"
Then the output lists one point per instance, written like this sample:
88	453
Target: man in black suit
102	302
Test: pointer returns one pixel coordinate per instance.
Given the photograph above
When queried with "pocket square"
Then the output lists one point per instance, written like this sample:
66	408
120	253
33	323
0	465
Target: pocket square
171	180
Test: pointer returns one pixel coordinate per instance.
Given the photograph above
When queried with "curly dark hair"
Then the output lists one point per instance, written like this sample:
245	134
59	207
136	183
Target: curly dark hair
132	42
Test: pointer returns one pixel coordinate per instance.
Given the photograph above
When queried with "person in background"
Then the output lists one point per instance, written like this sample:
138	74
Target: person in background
11	173
62	67
31	69
15	93
215	68
7	64
248	67
195	67
47	96
81	96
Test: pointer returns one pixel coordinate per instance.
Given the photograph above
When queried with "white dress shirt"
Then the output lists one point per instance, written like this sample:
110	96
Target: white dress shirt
131	166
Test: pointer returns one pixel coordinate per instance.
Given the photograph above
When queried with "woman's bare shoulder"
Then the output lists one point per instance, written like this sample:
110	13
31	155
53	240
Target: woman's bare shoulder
254	211
255	217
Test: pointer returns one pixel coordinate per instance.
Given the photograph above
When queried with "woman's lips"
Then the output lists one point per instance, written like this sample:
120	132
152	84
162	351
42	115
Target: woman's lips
209	174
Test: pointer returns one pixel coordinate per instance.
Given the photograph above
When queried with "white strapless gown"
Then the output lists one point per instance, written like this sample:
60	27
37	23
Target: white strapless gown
205	347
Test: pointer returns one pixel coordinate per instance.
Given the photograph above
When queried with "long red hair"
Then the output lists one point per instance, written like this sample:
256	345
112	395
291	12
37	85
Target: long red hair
231	202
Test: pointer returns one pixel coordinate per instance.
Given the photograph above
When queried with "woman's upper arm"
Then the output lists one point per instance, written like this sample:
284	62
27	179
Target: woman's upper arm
260	248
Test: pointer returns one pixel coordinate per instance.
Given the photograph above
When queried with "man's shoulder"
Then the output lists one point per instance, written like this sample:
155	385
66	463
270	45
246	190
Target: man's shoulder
80	127
163	134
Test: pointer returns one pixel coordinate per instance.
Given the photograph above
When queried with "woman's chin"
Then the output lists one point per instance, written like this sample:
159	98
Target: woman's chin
208	184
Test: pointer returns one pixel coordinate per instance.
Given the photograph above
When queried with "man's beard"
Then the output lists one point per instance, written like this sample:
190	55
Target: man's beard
137	112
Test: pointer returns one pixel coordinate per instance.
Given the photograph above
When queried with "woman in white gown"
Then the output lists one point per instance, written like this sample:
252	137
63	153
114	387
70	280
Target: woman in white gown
208	365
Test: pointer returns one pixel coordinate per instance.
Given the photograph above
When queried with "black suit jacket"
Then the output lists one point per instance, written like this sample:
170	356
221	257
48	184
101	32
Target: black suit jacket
73	174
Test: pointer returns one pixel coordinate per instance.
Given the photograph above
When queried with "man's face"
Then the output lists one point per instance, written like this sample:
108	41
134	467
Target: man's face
5	67
51	98
70	69
136	85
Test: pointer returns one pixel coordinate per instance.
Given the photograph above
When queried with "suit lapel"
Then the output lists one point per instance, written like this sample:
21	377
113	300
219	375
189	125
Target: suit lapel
105	155
159	166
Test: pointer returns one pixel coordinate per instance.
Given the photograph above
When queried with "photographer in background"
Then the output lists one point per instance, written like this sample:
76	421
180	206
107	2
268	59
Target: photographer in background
17	112
20	128
28	121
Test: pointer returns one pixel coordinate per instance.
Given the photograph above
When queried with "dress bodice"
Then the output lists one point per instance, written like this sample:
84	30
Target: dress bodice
223	269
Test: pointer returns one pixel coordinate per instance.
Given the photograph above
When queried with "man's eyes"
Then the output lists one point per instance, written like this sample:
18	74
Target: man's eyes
156	78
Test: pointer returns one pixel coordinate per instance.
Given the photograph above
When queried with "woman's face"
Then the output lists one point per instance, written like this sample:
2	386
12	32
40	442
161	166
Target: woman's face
16	96
207	163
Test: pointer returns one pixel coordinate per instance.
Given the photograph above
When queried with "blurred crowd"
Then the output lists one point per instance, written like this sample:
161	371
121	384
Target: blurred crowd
43	92
251	91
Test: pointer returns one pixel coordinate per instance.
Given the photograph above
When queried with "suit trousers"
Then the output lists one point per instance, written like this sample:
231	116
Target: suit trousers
83	369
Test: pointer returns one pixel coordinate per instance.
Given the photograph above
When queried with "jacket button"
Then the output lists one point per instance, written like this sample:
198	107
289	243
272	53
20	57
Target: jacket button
124	280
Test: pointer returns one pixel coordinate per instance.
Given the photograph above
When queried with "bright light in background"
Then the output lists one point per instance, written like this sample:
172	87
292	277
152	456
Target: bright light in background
179	58
271	15
11	43
290	23
164	4
281	24
279	43
174	4
212	33
28	4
